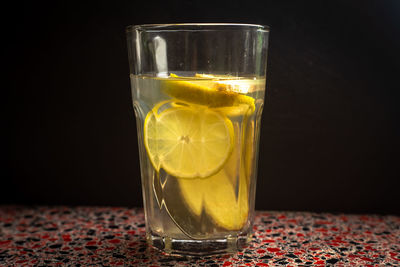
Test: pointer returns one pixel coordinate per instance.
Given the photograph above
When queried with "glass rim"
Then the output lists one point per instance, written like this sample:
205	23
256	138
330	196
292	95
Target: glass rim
193	26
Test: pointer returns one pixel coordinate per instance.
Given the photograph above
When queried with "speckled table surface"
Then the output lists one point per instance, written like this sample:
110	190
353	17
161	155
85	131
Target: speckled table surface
104	236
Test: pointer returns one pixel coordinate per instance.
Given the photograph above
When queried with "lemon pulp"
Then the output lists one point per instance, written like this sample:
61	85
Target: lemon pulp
188	142
218	198
213	94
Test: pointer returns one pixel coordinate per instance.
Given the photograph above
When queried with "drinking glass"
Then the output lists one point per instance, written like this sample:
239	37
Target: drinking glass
198	94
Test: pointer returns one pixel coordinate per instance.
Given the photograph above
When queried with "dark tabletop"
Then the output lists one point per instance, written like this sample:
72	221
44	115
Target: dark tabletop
82	236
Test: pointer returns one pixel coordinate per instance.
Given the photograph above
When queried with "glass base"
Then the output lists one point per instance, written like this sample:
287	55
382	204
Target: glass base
184	247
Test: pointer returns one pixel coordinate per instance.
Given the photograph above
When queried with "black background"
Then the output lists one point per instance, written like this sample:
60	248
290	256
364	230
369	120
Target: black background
330	131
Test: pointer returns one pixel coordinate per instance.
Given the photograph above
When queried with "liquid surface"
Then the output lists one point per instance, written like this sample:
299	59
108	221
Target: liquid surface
198	140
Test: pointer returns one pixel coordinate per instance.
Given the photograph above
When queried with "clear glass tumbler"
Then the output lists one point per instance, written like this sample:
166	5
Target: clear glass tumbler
198	93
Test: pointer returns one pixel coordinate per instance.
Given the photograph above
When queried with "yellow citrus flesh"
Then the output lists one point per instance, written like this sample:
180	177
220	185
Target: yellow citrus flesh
213	94
249	151
223	196
218	198
188	142
227	208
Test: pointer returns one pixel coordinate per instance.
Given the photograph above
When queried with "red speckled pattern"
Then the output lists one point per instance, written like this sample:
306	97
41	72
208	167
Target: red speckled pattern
103	236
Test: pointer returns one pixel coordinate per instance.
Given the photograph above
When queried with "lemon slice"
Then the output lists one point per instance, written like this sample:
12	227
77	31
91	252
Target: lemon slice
218	198
249	150
235	111
227	207
216	195
212	94
223	196
188	142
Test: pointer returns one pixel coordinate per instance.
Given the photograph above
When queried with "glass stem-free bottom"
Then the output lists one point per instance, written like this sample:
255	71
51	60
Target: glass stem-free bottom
202	247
